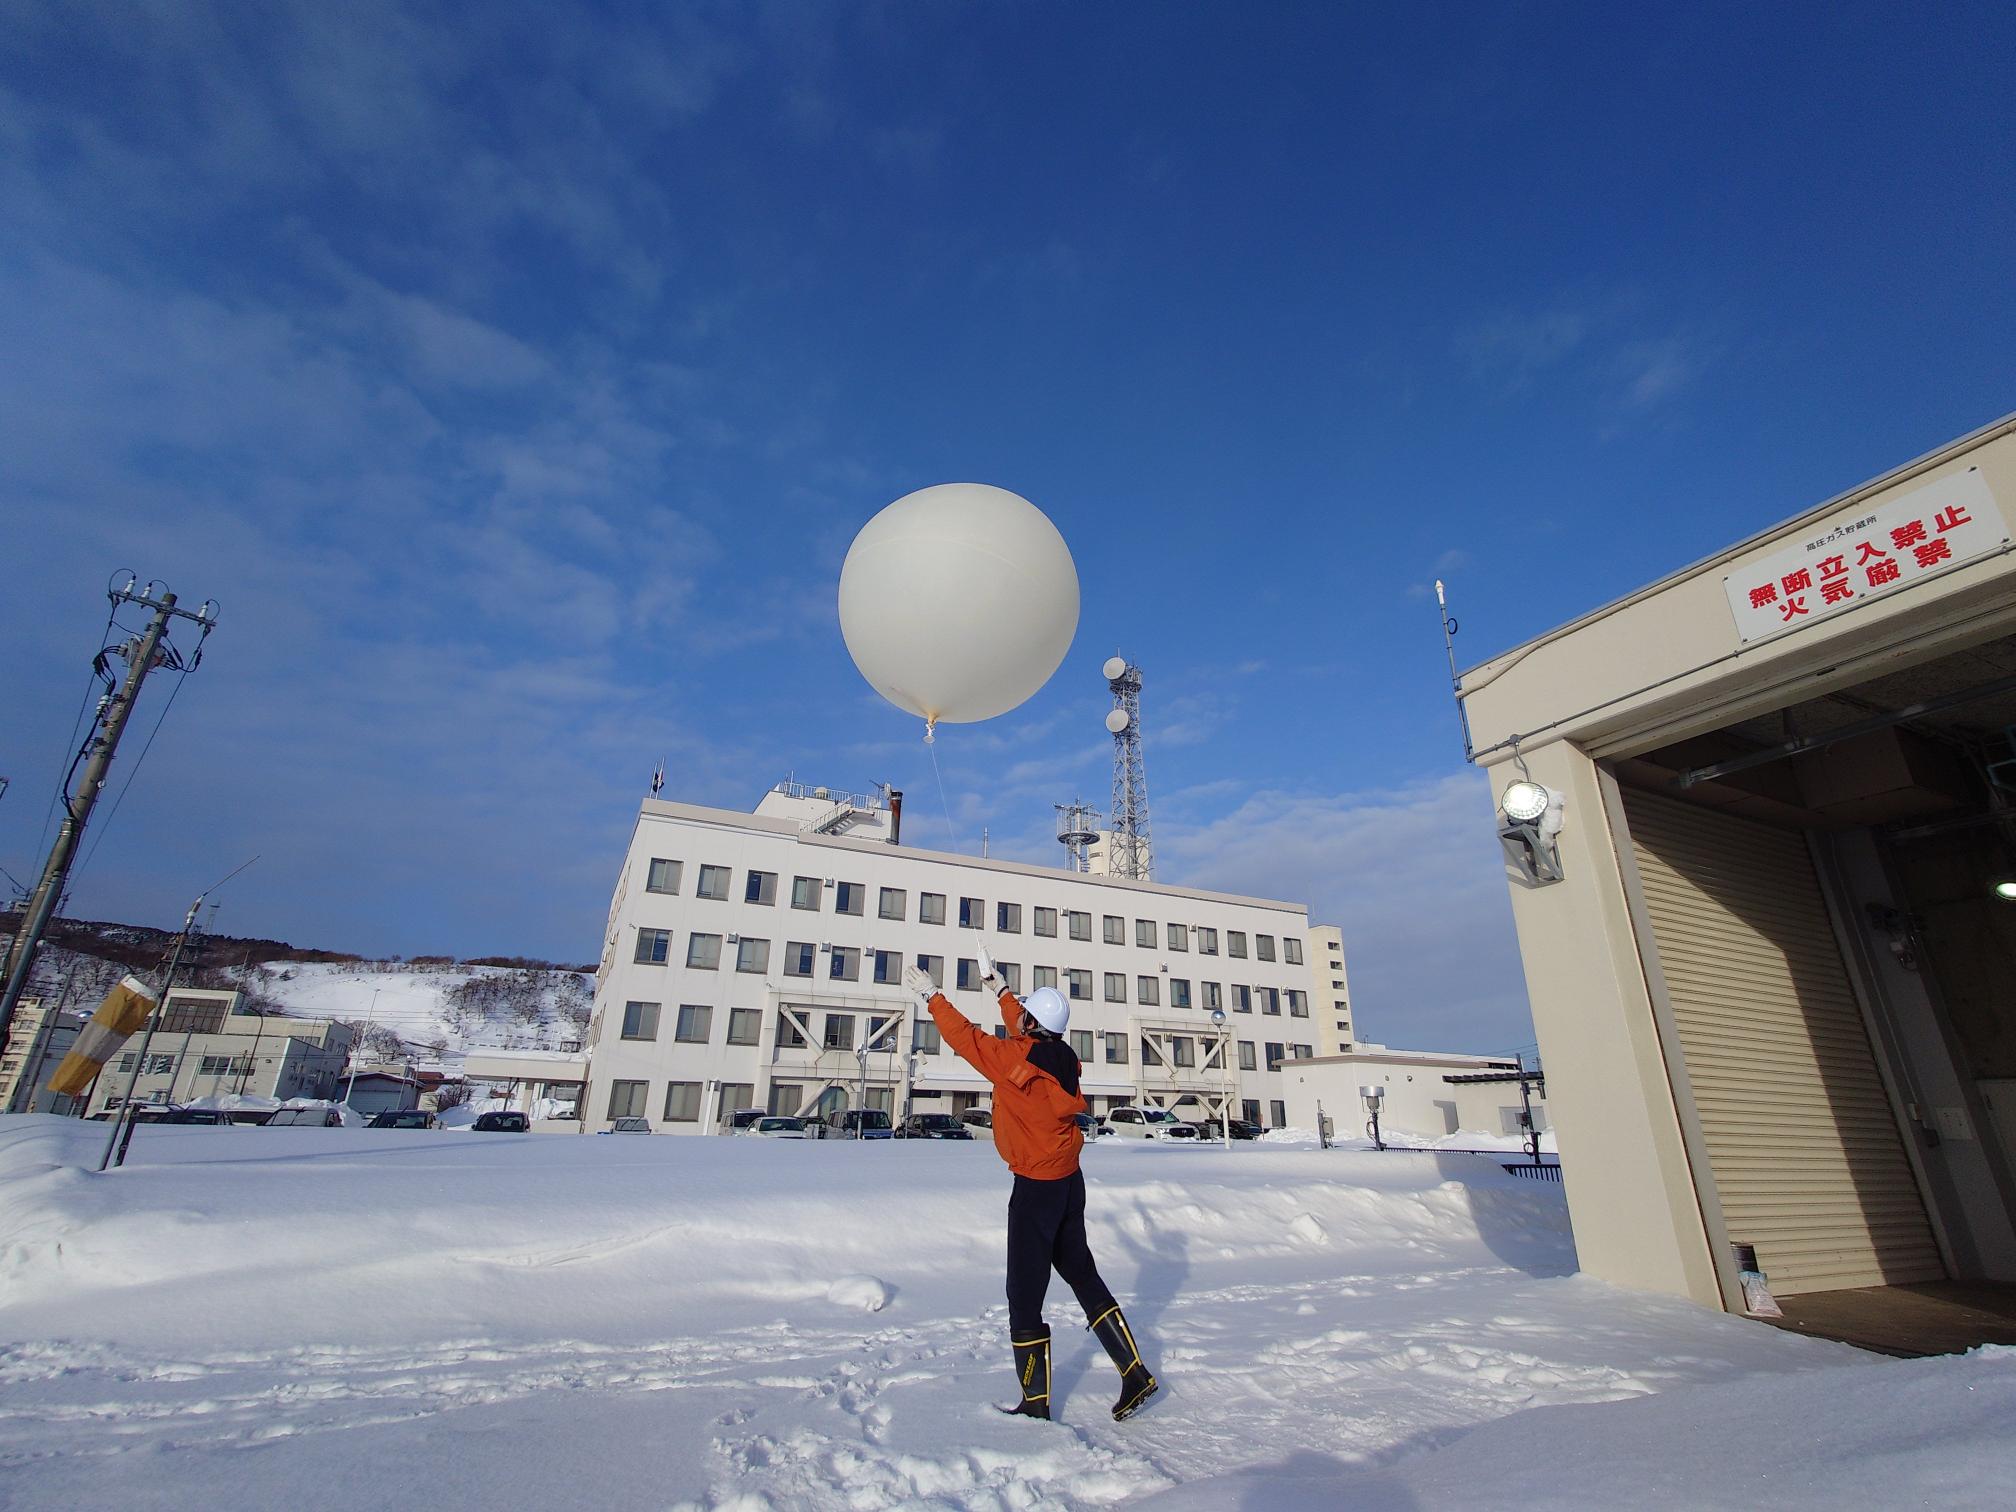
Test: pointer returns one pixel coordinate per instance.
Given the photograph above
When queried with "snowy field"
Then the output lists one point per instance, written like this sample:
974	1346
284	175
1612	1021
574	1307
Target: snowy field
330	1318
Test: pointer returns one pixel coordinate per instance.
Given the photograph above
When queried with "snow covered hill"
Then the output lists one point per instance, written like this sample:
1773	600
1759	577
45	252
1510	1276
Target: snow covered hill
258	1318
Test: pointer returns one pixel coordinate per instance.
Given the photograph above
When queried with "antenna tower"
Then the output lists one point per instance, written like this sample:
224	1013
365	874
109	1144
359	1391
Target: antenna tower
1078	828
1131	855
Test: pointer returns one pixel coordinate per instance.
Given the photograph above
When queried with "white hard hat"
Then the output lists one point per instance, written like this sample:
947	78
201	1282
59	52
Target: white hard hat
1047	1006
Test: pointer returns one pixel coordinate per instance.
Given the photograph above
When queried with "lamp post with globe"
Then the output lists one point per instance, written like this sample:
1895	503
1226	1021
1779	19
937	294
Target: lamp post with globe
1224	1072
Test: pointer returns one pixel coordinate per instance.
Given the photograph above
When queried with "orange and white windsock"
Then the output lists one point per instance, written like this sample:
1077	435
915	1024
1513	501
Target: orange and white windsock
124	1010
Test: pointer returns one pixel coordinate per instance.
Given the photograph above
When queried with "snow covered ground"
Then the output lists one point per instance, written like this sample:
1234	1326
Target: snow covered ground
444	1005
310	1318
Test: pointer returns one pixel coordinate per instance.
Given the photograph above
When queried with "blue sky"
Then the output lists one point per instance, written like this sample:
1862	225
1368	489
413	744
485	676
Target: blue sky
516	376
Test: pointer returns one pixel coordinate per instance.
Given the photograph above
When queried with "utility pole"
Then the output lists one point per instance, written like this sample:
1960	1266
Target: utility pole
142	654
122	1122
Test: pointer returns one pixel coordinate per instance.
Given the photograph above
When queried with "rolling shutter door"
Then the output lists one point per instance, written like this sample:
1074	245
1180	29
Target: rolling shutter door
1807	1160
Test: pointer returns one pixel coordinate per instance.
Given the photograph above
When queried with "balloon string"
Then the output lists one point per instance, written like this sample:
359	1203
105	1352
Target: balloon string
944	803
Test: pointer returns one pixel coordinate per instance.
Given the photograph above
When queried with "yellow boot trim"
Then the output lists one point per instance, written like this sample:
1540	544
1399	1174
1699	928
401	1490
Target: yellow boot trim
1125	1332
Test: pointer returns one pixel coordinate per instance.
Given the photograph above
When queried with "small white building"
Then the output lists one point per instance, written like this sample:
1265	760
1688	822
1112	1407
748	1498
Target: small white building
756	960
1426	1094
38	1038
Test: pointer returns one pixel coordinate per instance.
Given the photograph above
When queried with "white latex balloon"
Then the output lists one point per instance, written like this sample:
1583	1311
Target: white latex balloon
958	601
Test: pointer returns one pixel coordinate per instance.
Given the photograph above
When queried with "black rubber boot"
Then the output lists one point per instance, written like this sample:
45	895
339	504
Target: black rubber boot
1136	1384
1032	1371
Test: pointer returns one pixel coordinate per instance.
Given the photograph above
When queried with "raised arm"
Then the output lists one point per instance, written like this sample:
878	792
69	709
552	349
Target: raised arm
991	1057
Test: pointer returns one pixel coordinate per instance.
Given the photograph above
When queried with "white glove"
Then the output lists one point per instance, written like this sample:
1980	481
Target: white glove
990	974
918	980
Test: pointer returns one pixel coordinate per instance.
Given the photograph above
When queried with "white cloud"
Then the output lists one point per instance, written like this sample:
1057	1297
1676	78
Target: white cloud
1413	877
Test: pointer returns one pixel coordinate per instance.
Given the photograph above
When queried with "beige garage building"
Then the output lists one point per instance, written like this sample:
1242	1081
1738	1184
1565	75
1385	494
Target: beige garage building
1771	972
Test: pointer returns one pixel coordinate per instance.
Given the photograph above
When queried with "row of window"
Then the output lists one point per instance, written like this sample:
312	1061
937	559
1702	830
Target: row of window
694	1025
206	1065
665	876
844	963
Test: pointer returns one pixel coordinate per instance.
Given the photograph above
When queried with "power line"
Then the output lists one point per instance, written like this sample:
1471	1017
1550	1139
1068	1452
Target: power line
132	772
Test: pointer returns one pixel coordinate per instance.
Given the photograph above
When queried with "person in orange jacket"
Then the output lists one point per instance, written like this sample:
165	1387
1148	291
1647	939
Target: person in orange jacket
1034	1074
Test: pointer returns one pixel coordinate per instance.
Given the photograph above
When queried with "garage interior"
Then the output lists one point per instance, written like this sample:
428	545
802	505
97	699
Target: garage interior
1833	968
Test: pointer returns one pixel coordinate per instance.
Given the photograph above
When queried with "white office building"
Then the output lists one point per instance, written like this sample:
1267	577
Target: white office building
756	960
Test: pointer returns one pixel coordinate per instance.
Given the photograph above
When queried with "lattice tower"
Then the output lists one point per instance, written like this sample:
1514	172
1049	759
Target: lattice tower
1131	854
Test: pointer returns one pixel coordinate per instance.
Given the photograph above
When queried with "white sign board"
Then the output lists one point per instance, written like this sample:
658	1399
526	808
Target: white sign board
1866	553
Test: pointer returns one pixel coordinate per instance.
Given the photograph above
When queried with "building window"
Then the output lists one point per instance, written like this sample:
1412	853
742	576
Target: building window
1247	1061
654	946
784	1099
805	893
192	1016
798	958
972	913
1046	923
1150	1056
930	908
761	887
214	1065
1207	941
934	967
713	882
1148	990
1273	1056
1279	1112
1291	950
703	952
929	1040
895	904
695	1024
640	1021
1270	1000
752	955
1298	1004
1011	974
682	1102
1080	985
1116	986
1044	976
1116	930
1179	992
626	1098
1081	1044
845	965
1144	933
745	1026
1235	944
1301	1052
1008	918
969	974
1116	1049
662	876
1242	998
1179	937
888	967
850	898
839	1031
1080	924
878	1023
1249	1109
1213	997
735	1097
1263	946
1182	1050
789	1035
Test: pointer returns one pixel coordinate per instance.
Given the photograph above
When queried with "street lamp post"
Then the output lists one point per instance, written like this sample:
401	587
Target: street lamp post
1224	1073
370	1020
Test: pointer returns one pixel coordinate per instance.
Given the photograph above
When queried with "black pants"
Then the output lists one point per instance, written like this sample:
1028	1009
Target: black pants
1046	1228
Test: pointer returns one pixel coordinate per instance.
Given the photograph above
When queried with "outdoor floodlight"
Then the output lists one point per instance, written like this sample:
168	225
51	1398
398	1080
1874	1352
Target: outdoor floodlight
2006	890
1372	1094
1529	821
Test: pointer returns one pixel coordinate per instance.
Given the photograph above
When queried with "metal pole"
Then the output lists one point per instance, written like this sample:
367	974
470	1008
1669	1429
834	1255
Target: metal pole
370	1018
123	1123
77	811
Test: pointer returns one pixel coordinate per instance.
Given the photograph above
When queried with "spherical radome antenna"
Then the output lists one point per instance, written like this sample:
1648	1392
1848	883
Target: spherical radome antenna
958	601
1116	721
1115	665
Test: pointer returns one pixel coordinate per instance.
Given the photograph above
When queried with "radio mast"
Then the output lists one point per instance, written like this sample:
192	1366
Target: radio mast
1131	854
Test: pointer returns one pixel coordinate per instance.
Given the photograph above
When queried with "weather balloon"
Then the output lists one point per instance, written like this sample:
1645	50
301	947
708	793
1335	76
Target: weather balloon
958	601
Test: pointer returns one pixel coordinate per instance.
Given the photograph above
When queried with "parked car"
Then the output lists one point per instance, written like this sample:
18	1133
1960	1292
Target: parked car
626	1126
1149	1123
780	1126
977	1118
742	1120
403	1118
933	1126
1241	1129
305	1118
858	1123
197	1116
502	1123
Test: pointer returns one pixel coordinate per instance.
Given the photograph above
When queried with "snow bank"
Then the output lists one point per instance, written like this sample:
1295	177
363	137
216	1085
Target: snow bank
539	1320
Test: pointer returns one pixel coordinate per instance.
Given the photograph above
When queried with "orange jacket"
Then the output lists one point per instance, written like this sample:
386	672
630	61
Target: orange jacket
1033	1114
